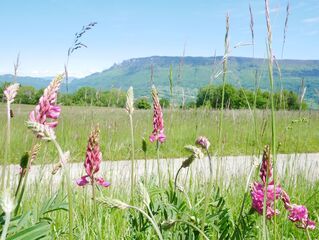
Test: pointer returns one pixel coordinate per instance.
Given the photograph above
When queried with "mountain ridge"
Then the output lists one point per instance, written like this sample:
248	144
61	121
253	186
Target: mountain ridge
192	72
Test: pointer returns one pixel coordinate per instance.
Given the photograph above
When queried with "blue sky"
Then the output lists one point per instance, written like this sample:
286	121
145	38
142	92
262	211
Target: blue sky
42	31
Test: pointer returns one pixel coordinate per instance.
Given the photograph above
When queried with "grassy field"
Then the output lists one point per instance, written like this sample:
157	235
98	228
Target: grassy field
296	132
201	209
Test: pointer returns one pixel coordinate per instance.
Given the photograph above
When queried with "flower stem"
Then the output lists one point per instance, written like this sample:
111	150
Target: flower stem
308	234
159	234
158	162
210	163
175	181
196	228
5	227
66	169
132	160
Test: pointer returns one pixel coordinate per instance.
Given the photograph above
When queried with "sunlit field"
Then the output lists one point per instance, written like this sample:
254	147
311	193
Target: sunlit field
295	132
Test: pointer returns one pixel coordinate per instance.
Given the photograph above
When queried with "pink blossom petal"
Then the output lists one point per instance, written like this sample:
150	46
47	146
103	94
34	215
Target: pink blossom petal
311	224
82	181
152	138
101	182
161	137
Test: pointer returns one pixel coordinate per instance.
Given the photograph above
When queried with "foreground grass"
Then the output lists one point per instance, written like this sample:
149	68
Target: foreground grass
127	224
296	132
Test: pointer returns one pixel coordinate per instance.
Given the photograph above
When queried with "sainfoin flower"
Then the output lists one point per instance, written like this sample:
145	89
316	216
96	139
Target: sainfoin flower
47	111
92	162
158	122
258	189
298	213
11	91
203	142
257	195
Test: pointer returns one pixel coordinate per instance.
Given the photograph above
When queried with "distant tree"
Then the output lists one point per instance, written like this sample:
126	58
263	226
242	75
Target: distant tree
191	104
142	103
26	95
85	96
164	102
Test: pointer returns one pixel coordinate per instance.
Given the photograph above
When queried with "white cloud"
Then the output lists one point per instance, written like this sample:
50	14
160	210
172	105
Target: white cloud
311	20
312	33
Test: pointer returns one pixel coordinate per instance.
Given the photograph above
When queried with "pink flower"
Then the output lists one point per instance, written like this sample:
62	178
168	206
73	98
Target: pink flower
258	190
257	195
203	142
92	162
158	122
47	108
298	213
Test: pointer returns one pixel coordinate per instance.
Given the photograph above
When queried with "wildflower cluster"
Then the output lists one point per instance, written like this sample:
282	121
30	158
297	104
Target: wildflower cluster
298	213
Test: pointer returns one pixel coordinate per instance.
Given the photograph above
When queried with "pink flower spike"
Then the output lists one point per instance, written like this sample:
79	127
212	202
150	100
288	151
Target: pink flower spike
93	159
82	181
47	111
158	122
266	166
101	182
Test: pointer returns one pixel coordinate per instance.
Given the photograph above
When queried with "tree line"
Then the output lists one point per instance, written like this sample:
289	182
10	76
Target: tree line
209	97
239	98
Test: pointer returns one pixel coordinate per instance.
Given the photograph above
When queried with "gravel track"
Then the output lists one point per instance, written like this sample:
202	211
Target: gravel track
118	172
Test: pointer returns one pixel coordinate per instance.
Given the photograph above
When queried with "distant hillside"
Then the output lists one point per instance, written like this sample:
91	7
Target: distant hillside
37	82
29	81
191	73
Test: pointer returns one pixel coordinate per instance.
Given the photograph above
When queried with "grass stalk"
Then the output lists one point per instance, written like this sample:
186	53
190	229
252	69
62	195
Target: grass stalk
132	159
66	170
273	118
6	226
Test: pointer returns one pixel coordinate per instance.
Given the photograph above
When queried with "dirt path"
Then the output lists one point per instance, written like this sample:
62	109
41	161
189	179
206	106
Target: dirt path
118	172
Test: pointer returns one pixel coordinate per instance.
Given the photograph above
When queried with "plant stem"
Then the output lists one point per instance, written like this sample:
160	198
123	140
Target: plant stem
132	160
158	163
196	228
66	169
175	181
5	227
159	234
246	192
308	234
210	163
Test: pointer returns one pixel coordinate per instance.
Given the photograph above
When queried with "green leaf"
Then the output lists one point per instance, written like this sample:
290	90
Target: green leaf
38	231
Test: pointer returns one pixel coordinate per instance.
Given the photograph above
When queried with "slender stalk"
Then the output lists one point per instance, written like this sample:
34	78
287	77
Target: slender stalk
210	163
246	191
145	169
175	181
193	226
159	234
158	163
6	226
273	126
7	146
308	234
66	169
132	159
221	117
